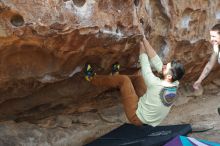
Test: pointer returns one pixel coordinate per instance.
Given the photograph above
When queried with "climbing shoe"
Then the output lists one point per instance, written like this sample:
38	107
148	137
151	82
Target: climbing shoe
219	110
88	72
115	68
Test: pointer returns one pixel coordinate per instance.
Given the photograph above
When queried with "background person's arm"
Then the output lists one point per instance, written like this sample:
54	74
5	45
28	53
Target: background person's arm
206	71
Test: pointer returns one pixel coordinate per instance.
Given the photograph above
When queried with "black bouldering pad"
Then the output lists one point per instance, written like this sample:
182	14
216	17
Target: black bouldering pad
130	135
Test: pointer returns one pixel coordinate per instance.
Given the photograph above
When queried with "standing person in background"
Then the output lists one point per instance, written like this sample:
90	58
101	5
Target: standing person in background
215	40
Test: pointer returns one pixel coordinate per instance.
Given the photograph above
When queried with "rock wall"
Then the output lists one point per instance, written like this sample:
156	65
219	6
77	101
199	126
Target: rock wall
44	45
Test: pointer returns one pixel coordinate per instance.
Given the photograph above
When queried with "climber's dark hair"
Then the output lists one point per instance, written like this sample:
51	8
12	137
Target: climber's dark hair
177	70
216	28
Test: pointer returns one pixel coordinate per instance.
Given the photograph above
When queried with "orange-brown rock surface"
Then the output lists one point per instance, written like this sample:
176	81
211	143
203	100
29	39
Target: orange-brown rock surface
44	45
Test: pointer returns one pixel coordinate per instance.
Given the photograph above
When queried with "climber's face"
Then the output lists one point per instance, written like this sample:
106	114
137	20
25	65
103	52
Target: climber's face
166	69
215	37
167	72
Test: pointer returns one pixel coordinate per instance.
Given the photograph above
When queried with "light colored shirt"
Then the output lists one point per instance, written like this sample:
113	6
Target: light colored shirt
151	109
216	51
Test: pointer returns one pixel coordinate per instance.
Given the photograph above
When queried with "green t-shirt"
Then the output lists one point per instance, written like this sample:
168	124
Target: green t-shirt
155	104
